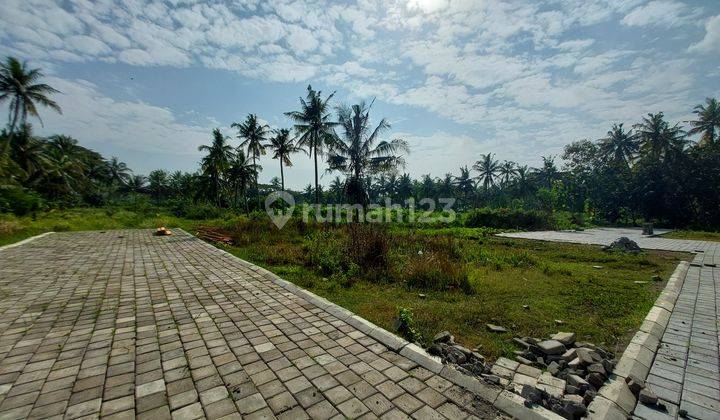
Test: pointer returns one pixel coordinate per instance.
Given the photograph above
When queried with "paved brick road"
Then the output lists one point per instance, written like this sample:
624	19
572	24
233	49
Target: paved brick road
685	370
121	324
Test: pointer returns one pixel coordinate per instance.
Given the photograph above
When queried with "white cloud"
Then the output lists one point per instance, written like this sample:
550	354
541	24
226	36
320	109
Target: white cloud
301	40
575	44
136	57
658	13
519	69
98	120
596	63
427	6
711	41
87	45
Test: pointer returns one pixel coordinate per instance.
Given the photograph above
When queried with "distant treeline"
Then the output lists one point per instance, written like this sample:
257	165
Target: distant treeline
653	171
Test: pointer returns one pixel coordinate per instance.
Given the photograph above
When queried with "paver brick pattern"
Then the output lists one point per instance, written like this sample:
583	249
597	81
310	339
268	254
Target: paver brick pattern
685	371
123	324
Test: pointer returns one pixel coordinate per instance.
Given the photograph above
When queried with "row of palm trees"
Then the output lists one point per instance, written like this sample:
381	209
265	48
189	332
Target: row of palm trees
653	137
345	138
357	151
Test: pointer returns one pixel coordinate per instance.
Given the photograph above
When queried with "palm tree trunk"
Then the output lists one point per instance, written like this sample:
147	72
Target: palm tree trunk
282	176
16	114
257	189
317	191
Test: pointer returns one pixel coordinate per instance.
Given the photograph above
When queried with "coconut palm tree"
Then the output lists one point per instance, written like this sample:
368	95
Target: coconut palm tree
215	164
619	146
282	147
548	173
507	170
118	171
136	184
158	183
447	186
66	144
522	180
28	153
241	173
360	152
314	128
337	189
404	188
64	175
253	135
707	122
19	84
488	168
464	184
657	137
10	171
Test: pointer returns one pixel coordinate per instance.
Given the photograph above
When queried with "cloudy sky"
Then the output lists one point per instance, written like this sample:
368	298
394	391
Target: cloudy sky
147	81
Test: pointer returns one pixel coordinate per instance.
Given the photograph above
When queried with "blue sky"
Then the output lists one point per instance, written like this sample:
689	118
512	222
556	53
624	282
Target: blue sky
147	81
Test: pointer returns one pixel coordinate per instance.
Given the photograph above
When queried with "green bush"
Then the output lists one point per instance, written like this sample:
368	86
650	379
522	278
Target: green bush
326	252
435	271
19	201
405	325
508	219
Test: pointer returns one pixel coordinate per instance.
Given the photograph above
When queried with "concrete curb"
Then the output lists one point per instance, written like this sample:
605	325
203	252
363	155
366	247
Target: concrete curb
614	400
24	241
504	401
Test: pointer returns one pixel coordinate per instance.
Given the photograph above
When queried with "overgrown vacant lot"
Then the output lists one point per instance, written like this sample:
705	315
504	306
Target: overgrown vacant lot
557	281
457	279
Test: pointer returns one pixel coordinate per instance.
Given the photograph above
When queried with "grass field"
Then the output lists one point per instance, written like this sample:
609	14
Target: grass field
557	281
697	235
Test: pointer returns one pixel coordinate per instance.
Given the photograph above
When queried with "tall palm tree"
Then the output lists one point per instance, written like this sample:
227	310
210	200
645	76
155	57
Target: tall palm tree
488	169
507	170
66	144
522	180
19	84
548	173
64	175
464	183
10	171
240	174
158	183
360	152
29	153
404	187
118	171
313	127
657	137
447	186
136	184
283	146
619	146
707	122
337	189
254	135
215	164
